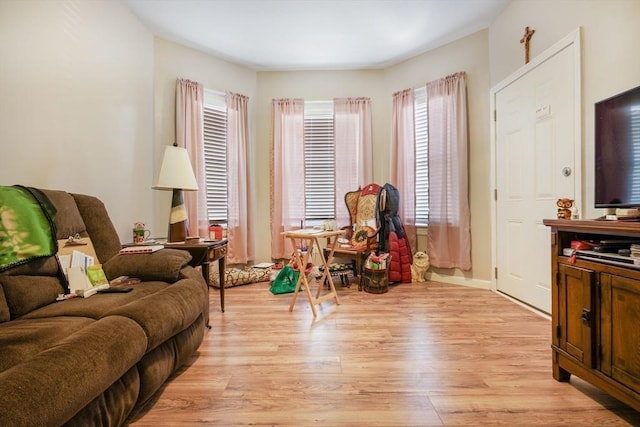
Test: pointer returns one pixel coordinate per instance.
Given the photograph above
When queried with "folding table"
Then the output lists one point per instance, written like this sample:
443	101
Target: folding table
308	238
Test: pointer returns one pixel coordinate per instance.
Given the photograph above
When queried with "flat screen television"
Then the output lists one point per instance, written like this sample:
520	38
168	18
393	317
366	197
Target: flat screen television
617	151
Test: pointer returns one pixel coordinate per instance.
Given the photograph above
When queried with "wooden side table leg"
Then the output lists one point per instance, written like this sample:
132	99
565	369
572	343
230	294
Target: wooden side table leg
205	275
221	269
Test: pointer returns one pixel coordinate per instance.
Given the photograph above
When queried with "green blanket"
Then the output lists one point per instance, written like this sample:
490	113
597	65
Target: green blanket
27	230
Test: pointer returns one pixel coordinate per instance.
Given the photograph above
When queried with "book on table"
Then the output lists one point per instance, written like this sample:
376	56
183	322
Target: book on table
142	249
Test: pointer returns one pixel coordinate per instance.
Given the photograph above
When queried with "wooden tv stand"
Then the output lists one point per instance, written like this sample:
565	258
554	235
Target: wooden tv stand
595	310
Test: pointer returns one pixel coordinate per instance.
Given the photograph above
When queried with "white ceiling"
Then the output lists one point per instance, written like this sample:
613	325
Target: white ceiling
315	34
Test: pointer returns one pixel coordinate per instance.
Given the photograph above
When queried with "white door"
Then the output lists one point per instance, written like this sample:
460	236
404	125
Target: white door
535	164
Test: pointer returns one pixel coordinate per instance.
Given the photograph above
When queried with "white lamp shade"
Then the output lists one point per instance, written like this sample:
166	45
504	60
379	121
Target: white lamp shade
176	171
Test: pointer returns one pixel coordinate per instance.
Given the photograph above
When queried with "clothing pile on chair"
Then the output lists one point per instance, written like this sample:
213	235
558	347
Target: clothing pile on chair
392	237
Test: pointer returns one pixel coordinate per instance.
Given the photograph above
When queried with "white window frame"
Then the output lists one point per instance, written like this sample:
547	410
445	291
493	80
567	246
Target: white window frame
215	154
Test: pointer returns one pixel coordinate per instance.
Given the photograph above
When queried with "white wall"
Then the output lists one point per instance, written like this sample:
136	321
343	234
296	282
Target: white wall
610	55
76	112
174	61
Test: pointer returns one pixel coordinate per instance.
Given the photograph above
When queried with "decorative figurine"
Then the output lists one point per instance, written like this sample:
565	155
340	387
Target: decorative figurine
564	208
419	267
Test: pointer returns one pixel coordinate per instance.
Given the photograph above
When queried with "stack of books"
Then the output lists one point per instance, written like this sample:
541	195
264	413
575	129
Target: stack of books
635	253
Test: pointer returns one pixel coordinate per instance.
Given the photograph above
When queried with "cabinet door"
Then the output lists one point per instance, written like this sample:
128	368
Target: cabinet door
576	332
620	329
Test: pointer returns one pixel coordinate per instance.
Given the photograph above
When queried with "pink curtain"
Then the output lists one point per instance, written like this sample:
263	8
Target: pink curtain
190	135
353	149
287	171
449	243
239	210
403	160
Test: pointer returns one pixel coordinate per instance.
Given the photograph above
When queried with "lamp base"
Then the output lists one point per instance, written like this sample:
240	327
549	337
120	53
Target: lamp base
178	221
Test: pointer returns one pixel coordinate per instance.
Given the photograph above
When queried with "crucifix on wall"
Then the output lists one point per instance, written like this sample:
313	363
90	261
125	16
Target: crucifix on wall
528	33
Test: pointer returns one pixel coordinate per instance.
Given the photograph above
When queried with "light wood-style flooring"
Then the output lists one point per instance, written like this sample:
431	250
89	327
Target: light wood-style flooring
426	354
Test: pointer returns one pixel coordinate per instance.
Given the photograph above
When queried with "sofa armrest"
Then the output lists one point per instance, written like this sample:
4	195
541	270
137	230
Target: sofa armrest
164	265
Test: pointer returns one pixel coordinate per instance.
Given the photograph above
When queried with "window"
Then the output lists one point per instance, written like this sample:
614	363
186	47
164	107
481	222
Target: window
319	161
421	156
215	154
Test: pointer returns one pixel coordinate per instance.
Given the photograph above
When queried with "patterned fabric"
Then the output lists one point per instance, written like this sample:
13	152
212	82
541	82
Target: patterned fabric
238	276
361	236
342	271
27	228
351	200
366	213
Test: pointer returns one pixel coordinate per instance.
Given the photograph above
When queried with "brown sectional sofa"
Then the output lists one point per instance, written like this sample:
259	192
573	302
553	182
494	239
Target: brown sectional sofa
94	361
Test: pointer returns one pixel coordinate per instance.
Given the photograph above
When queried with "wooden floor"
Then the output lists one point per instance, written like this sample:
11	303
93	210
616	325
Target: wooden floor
425	354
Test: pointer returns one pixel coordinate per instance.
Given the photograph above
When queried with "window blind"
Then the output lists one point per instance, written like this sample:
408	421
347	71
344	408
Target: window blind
215	154
421	156
319	160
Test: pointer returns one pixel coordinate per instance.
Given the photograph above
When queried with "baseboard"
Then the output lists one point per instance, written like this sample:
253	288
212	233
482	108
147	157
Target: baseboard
457	280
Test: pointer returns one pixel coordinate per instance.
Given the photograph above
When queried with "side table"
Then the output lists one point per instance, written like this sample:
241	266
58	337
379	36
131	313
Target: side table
204	252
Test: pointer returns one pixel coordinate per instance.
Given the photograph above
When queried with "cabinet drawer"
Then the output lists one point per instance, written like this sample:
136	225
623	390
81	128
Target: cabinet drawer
217	253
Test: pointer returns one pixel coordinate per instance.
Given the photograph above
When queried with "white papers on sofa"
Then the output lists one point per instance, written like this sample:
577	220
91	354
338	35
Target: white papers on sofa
75	268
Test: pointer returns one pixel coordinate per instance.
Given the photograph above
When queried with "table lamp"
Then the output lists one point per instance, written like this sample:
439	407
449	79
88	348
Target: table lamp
176	174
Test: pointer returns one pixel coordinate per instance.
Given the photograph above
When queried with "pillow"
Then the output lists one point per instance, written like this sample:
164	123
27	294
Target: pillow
164	265
68	219
360	237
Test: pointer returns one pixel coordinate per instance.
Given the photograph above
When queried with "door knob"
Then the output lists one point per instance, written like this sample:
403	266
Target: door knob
566	171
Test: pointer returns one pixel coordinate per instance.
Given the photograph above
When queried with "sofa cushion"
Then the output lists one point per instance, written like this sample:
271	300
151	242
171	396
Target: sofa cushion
98	305
23	339
165	313
164	264
57	383
68	219
26	293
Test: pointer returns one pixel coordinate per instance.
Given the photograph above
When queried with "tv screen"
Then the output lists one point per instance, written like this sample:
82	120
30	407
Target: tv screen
617	151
